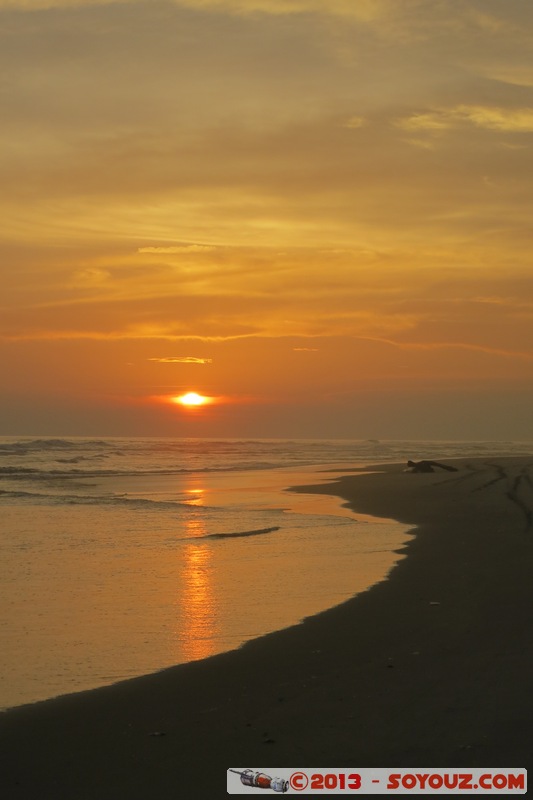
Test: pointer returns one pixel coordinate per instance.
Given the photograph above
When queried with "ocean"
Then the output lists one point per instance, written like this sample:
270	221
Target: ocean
121	557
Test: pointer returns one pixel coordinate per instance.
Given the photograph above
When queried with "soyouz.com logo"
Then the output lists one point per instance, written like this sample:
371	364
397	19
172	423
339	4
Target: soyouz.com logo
325	780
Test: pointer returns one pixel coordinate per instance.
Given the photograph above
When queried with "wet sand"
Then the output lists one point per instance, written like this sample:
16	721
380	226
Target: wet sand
432	667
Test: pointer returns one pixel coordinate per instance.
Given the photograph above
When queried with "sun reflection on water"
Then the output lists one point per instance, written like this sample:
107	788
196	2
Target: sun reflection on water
198	611
195	497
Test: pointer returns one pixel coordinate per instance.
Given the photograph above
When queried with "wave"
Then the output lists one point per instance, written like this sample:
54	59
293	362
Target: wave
15	471
79	459
21	446
51	474
129	502
102	500
239	534
15	494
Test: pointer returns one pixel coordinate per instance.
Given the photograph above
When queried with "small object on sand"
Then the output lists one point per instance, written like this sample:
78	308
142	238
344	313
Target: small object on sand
434	603
157	733
427	466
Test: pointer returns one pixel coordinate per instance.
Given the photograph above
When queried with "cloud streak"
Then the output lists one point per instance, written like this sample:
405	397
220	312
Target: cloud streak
525	355
364	10
182	360
171	249
510	120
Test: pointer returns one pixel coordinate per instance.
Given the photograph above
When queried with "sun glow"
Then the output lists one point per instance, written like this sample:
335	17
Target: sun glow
191	400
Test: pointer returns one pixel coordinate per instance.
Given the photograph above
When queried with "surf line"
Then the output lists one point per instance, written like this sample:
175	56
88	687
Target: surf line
257	532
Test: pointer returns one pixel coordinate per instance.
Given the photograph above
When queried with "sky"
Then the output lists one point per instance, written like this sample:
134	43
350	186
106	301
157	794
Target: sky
316	213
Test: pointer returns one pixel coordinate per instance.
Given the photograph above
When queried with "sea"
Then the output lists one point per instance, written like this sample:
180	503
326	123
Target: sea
123	556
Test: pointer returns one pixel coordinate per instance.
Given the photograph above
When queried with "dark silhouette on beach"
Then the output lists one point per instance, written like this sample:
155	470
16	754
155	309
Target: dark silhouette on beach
427	466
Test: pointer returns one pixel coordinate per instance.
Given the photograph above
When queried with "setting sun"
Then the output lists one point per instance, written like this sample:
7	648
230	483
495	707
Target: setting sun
192	399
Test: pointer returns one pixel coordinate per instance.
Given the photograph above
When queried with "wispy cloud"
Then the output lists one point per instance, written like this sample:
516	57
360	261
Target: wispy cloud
427	121
517	120
186	248
37	5
365	10
516	75
467	346
182	360
355	122
362	9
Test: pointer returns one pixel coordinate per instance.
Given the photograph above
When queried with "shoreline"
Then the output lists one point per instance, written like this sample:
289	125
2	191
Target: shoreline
427	668
175	582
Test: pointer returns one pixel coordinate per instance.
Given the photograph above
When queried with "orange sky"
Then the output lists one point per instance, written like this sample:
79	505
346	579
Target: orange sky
316	211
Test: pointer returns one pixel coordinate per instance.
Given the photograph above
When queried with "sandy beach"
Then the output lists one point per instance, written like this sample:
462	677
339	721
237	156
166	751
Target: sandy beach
431	667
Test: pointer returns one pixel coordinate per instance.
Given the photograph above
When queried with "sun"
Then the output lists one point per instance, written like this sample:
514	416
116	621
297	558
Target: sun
191	400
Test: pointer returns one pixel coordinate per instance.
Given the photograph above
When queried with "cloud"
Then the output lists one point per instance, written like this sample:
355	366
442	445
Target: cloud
39	5
189	248
427	121
517	120
182	360
362	9
365	10
90	277
398	21
355	122
525	355
514	74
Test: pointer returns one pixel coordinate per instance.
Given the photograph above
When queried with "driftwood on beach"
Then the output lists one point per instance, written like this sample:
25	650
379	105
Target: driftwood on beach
427	466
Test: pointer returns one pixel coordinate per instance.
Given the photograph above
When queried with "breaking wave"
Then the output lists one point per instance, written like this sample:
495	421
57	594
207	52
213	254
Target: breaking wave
257	532
102	500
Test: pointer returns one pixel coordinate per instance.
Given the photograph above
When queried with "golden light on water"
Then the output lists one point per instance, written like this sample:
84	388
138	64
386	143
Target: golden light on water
196	497
197	607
